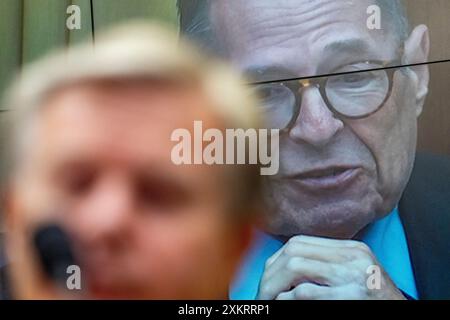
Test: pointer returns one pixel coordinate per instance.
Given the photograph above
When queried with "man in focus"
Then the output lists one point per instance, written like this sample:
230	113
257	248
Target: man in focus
350	200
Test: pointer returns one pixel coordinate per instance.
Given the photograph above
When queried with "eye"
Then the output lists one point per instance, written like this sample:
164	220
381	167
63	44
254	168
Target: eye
77	183
354	78
357	79
354	81
163	195
273	94
266	92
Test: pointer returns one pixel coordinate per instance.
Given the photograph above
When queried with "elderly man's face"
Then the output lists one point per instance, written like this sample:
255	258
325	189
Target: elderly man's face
336	175
143	227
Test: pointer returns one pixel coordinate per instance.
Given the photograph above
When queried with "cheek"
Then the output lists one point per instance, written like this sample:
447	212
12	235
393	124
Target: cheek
399	136
181	249
34	203
390	135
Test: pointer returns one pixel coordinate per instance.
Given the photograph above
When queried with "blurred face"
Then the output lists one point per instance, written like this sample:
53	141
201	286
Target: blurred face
336	174
99	162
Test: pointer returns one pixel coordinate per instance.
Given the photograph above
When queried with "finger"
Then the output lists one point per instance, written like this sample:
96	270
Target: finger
279	251
289	295
305	291
274	257
324	242
328	242
307	251
311	291
296	271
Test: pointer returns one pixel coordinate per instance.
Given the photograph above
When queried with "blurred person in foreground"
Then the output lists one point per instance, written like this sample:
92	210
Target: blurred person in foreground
90	149
351	199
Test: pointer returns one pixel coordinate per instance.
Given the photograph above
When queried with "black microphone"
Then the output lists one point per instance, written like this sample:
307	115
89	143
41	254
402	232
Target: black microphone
55	252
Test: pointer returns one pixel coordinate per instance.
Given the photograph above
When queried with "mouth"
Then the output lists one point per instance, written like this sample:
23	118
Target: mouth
332	177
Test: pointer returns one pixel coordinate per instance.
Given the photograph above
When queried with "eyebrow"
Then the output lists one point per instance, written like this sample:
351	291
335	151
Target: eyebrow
353	46
273	73
267	73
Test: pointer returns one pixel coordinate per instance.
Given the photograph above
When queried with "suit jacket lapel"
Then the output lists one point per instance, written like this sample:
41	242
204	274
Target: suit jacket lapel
425	214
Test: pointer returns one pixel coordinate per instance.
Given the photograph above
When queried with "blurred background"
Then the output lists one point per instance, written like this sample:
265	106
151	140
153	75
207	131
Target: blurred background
31	28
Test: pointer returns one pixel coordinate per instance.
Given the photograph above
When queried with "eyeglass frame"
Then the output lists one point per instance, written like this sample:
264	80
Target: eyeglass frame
390	67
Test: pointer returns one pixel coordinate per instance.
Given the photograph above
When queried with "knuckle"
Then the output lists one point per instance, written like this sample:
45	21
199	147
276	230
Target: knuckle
268	263
294	264
361	251
361	262
291	249
296	238
359	255
342	274
265	291
362	247
304	291
293	241
350	255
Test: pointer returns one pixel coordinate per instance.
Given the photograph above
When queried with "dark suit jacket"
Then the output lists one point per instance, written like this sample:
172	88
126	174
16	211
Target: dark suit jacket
425	213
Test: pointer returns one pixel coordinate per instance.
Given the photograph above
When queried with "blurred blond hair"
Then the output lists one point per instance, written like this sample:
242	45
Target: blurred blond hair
132	51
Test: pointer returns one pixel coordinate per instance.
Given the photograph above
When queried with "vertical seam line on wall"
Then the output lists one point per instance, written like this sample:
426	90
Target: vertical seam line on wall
21	33
92	21
67	32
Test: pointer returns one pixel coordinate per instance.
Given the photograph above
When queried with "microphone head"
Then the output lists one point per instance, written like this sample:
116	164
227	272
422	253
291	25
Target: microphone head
55	252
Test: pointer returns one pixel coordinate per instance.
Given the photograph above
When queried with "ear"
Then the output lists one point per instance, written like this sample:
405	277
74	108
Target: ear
9	208
6	207
417	49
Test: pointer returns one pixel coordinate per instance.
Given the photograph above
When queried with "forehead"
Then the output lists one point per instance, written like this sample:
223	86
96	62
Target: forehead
128	121
297	34
145	102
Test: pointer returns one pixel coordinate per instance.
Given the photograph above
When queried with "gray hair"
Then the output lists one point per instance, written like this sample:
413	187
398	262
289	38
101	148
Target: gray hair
195	22
398	17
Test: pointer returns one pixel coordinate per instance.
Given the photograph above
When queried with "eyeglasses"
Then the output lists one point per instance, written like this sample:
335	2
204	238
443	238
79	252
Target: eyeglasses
354	92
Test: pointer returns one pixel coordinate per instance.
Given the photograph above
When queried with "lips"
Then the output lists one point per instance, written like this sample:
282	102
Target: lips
332	177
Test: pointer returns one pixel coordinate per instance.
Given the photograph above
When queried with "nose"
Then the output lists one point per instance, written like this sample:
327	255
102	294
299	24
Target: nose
316	124
106	214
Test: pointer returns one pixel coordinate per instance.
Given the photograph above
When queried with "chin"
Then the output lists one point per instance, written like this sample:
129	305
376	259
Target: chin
114	293
337	221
